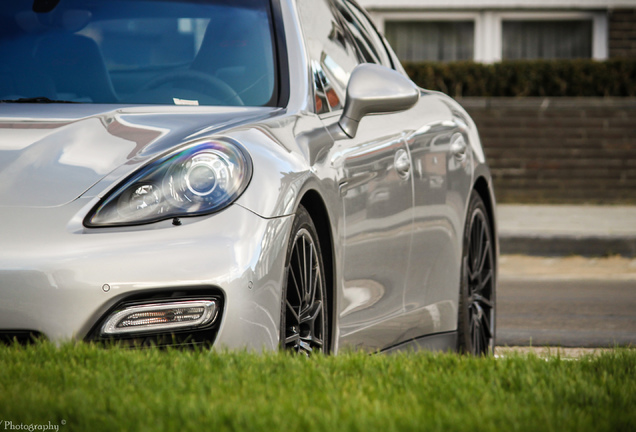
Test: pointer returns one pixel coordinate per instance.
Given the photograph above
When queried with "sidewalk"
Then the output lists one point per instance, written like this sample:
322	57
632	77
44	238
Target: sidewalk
562	230
576	291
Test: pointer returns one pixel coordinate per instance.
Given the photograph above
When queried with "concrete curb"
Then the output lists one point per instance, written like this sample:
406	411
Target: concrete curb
562	230
564	245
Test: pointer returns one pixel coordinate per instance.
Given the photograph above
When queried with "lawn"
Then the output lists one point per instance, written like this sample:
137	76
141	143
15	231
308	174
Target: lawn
80	387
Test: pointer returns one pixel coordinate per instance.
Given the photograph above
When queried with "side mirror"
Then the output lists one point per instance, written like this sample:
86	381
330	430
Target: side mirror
374	89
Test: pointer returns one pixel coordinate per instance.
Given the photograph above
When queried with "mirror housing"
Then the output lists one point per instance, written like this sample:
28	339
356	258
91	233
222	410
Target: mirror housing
373	89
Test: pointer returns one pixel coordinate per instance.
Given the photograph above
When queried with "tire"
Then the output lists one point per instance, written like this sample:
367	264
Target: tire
477	301
304	305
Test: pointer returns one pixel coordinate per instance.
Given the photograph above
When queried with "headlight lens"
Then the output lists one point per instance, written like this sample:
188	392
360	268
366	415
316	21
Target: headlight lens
203	178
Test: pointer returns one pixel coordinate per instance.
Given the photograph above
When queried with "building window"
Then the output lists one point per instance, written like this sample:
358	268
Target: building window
431	40
546	39
493	35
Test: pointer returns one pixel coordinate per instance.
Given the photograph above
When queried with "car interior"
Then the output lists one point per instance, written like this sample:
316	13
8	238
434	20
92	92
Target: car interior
133	52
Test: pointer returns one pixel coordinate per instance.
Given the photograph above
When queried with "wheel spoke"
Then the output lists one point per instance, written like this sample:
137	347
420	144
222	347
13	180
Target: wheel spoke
479	299
293	338
485	336
316	283
312	313
310	267
290	308
474	276
478	241
484	257
298	289
313	340
482	233
486	327
303	268
485	281
473	248
480	328
300	270
474	332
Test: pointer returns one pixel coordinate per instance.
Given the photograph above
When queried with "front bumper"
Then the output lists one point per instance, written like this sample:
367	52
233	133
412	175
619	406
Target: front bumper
60	279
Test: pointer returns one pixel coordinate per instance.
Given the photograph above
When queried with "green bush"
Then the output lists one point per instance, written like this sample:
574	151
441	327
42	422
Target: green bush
572	78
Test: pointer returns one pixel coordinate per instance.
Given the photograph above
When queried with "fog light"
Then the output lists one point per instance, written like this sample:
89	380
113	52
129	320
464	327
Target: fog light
161	317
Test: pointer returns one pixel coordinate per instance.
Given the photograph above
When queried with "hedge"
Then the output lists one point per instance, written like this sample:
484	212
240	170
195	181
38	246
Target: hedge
572	78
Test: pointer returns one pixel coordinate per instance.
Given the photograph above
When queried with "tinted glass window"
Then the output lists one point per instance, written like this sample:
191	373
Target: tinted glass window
330	48
547	39
432	40
213	52
365	34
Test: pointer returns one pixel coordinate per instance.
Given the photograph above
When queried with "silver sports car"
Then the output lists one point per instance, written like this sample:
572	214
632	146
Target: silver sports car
256	174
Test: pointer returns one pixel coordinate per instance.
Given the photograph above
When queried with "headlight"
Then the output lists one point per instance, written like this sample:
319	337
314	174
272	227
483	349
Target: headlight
202	178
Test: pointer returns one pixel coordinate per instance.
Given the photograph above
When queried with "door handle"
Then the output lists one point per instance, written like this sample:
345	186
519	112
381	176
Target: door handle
402	164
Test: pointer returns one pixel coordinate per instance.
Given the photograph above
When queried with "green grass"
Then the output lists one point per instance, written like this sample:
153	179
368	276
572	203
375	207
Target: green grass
88	388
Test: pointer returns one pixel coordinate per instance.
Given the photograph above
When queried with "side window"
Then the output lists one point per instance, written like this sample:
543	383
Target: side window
370	33
366	50
332	53
363	44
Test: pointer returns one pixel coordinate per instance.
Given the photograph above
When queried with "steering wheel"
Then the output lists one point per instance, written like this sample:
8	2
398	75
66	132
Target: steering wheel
198	81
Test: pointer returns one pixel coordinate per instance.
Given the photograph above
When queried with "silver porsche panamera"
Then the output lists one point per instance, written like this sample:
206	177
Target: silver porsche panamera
252	174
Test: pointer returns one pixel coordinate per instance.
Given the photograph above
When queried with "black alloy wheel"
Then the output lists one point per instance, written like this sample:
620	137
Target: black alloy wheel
304	308
476	315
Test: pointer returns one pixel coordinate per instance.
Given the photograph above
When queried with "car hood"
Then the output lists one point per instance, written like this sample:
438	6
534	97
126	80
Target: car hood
51	154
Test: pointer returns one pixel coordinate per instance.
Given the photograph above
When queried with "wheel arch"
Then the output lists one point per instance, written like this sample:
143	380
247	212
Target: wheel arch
315	205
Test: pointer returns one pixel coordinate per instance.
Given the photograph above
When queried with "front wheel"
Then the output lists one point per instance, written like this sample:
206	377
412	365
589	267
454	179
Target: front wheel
304	308
476	314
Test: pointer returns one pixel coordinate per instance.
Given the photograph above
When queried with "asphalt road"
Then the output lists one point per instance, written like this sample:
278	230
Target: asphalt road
565	303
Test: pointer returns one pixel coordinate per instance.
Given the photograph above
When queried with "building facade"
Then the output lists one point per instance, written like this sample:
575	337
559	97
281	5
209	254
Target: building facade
493	30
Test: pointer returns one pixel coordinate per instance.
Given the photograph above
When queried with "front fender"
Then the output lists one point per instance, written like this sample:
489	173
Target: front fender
289	157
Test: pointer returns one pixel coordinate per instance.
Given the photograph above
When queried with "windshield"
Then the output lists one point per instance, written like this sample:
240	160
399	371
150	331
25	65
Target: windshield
197	52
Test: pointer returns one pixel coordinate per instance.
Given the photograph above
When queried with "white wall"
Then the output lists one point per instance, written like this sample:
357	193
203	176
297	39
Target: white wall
496	4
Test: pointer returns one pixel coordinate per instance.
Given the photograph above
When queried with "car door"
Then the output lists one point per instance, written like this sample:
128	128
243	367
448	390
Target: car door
441	178
377	200
375	187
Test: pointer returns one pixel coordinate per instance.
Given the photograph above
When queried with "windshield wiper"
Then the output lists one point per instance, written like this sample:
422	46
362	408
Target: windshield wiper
39	99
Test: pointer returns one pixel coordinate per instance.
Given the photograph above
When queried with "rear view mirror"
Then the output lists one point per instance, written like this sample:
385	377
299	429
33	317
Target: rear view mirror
374	89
